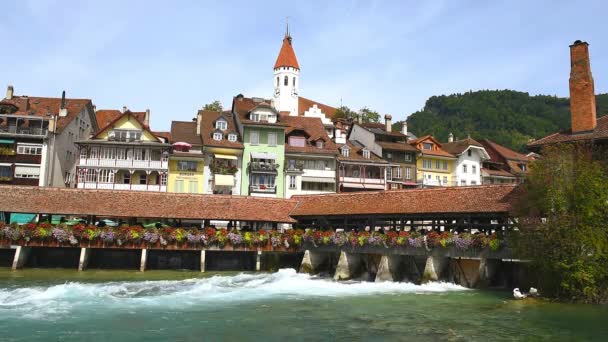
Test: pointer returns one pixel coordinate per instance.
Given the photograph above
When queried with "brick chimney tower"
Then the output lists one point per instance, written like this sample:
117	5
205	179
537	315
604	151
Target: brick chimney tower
582	94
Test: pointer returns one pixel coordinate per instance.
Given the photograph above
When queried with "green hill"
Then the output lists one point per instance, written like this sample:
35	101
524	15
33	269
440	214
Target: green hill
508	117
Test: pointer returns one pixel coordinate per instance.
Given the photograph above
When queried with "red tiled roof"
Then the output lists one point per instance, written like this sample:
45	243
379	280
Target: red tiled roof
164	135
134	115
380	129
243	105
287	57
459	146
305	104
107	116
599	133
208	128
356	154
502	151
396	146
498	173
143	204
437	152
314	130
42	106
185	131
487	199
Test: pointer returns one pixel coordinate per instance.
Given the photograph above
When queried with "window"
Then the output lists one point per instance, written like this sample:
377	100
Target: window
464	168
33	149
6	172
286	81
126	178
81	176
124	135
193	187
427	164
163	178
294	81
408	173
474	169
91	176
221	125
292	182
473	182
139	154
445	164
186	165
320	143
445	180
345	151
121	154
254	117
254	137
437	164
143	179
463	182
397	173
277	81
105	176
232	137
389	155
179	185
297	141
272	139
217	136
523	167
438	178
427	146
469	152
408	157
366	154
83	153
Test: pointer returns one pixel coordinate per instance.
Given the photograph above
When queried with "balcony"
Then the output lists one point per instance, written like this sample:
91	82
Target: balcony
125	163
119	186
363	183
26	131
263	167
435	182
262	188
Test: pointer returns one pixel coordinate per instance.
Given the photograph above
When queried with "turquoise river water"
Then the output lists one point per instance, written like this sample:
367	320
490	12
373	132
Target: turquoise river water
49	305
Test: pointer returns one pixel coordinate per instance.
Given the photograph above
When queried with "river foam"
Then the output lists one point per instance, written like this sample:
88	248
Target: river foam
56	301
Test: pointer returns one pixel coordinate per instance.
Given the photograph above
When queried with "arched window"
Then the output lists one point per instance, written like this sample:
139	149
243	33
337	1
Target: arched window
286	81
294	81
277	81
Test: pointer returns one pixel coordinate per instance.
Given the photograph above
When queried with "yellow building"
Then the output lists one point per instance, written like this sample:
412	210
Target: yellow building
123	155
435	166
186	163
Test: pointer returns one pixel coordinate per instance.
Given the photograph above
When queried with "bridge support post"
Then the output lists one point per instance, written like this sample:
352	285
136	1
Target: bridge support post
349	266
203	260
434	268
144	258
21	255
487	271
465	272
258	261
84	258
311	262
390	268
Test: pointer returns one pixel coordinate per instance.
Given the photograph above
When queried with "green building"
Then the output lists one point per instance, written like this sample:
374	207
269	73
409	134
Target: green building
264	147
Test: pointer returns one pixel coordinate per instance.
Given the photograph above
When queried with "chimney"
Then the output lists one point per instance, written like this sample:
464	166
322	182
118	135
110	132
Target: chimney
94	108
388	122
404	127
62	110
582	92
199	118
147	118
360	118
450	137
124	109
9	92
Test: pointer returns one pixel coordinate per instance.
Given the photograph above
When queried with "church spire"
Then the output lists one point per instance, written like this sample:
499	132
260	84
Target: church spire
287	35
287	57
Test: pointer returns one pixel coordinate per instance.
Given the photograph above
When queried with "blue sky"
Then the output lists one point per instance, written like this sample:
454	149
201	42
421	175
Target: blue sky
175	56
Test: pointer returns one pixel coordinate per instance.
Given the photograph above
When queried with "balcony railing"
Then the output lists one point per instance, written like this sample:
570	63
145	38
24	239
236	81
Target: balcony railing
263	188
14	130
126	163
120	186
435	182
263	167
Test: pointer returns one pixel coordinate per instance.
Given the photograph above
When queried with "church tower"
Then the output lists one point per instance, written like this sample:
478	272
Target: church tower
286	78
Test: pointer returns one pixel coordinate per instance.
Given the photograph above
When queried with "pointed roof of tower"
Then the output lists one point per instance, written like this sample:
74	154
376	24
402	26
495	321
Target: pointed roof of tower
287	57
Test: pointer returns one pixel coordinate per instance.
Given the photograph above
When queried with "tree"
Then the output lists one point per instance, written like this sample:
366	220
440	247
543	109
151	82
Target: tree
344	112
368	115
215	106
563	220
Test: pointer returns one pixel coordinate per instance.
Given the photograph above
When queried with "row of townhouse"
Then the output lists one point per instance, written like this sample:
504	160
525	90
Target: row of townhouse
280	146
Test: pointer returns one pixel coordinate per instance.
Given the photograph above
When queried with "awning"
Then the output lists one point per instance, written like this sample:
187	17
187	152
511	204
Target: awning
27	170
318	179
7	141
263	155
227	180
22	218
225	156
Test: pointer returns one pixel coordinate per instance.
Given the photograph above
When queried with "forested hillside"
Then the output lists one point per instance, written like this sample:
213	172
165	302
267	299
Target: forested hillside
508	117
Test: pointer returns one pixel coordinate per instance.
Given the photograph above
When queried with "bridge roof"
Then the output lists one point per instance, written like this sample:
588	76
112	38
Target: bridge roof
452	200
143	204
